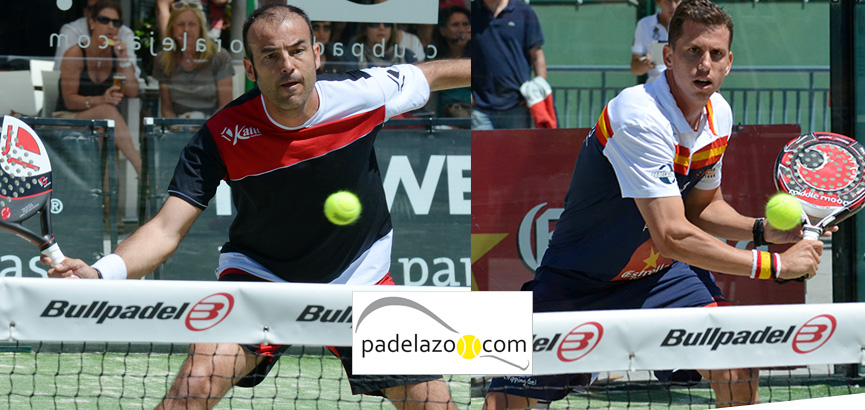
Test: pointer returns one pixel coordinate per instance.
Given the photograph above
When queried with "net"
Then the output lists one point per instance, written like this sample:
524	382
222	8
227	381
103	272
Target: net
642	390
135	375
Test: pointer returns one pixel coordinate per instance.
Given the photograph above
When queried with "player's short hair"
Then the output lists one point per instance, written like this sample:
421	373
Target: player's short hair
272	12
702	12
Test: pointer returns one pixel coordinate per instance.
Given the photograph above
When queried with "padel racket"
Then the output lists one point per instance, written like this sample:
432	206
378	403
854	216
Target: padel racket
25	185
826	173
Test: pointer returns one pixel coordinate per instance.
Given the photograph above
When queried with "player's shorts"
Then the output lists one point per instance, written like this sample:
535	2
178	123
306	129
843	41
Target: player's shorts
680	286
372	385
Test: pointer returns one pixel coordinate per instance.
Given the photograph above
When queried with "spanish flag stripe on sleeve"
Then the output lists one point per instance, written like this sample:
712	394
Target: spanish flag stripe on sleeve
682	160
603	130
765	262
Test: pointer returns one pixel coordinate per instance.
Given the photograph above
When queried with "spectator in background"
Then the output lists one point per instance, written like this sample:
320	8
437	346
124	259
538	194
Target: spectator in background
649	30
412	42
380	47
454	33
216	11
78	32
453	40
506	49
195	77
87	77
321	31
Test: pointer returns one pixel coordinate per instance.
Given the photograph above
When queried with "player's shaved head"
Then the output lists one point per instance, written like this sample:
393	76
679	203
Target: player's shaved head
272	13
702	12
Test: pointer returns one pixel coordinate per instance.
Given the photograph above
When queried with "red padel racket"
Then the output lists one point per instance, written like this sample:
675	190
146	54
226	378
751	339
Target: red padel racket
25	185
826	172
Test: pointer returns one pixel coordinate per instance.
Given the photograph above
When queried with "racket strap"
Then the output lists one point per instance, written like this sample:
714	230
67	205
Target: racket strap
765	265
759	232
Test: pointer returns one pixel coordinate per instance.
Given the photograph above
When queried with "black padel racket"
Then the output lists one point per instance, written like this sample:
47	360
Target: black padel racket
25	185
826	172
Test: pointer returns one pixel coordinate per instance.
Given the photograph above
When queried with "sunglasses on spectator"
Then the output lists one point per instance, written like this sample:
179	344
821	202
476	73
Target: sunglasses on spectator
105	20
180	5
325	27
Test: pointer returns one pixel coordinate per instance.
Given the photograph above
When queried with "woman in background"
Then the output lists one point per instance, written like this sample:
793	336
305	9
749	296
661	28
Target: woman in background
372	36
93	80
194	77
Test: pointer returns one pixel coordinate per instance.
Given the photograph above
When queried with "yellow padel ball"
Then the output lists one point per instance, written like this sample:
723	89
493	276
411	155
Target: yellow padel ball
342	208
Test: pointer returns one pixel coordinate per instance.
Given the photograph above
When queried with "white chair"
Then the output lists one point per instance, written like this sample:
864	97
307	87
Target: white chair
16	93
36	68
51	89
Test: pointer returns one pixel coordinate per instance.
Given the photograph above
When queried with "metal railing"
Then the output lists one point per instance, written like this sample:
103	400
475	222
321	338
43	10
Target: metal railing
757	95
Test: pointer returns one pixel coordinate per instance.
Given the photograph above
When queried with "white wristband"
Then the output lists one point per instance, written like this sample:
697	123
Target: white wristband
111	266
754	255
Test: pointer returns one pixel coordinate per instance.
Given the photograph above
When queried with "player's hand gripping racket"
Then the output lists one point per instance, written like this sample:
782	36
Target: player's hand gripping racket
25	185
826	172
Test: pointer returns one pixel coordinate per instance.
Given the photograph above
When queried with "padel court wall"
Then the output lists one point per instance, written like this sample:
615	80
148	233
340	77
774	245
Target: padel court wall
520	178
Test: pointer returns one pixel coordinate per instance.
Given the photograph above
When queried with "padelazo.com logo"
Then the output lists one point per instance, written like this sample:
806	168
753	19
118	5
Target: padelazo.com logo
809	337
208	312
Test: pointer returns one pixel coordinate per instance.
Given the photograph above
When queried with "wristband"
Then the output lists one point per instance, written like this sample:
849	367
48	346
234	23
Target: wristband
765	265
759	234
111	267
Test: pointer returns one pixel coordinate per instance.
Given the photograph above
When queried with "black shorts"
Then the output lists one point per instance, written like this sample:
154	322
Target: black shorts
360	384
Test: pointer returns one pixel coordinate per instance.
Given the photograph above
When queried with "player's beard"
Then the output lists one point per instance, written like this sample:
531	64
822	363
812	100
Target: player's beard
288	99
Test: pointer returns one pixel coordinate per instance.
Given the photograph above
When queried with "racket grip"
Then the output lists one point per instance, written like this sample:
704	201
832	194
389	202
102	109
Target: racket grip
54	253
811	232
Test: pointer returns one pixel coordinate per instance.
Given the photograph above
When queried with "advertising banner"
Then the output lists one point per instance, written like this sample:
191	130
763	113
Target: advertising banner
521	178
180	312
78	213
698	338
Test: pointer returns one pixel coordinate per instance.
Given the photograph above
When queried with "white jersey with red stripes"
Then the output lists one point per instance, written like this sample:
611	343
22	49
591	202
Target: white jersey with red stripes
641	147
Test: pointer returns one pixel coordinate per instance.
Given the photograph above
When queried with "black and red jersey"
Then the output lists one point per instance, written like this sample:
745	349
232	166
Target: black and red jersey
281	176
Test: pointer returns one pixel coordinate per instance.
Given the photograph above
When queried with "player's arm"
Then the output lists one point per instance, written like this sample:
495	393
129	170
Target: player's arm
147	247
710	212
446	74
677	238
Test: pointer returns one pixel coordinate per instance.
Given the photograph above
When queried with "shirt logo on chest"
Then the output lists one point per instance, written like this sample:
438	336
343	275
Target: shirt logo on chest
239	133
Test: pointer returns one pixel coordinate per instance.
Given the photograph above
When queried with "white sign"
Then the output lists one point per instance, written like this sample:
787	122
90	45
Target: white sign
442	332
391	11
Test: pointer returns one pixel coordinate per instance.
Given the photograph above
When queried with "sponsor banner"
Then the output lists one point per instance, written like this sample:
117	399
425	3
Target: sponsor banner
76	201
436	332
415	11
698	338
516	206
179	312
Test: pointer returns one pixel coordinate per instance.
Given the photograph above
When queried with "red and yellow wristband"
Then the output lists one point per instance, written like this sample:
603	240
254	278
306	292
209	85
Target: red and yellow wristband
765	265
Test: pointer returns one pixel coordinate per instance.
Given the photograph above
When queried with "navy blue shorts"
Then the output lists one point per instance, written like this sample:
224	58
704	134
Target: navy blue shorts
680	286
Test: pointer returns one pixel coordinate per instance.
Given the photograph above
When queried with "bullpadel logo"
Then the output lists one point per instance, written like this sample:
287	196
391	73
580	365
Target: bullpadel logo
420	330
